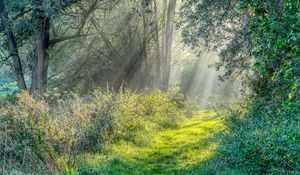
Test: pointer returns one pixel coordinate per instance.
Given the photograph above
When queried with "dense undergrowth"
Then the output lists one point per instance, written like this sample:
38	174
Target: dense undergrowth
264	133
262	143
39	137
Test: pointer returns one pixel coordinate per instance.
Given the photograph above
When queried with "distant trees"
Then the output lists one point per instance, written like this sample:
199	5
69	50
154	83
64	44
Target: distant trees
37	17
218	25
129	50
151	64
140	37
250	35
169	10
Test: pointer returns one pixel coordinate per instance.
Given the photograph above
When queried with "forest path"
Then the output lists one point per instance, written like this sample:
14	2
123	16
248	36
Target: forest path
178	151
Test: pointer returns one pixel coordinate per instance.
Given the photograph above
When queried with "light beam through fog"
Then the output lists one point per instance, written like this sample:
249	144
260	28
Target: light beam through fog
198	79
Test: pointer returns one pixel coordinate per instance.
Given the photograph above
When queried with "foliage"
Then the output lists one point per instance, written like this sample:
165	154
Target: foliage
218	25
266	138
7	87
39	136
23	140
264	133
86	47
262	144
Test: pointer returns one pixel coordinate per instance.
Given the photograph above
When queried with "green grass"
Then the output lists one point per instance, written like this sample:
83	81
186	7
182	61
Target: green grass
185	150
8	87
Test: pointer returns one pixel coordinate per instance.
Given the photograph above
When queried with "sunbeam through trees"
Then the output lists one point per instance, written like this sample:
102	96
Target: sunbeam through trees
149	87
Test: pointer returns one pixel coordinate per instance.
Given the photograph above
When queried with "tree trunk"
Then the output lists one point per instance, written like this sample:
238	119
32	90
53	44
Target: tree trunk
157	49
12	43
145	67
41	57
163	43
168	45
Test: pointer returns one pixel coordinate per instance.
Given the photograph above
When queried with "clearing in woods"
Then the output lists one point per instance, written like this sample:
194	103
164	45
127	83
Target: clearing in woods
180	151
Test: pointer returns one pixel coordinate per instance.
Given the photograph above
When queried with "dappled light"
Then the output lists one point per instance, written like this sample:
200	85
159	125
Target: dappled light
149	87
176	151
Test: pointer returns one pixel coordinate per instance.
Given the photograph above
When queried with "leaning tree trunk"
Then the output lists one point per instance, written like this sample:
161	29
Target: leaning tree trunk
40	59
166	61
13	47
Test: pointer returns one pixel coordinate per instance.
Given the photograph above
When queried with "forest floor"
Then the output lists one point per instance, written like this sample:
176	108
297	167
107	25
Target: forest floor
185	150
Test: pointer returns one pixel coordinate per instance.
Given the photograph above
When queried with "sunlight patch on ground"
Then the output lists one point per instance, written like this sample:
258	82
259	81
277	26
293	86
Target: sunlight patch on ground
168	152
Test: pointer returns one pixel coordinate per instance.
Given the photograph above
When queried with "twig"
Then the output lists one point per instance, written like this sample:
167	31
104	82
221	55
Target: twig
5	148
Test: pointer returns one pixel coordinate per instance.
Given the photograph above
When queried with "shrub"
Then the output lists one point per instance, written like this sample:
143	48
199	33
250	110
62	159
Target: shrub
263	142
266	138
23	139
37	136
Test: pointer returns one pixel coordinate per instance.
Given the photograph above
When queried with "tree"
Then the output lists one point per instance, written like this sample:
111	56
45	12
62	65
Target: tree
13	47
219	26
41	57
77	43
272	29
168	32
40	14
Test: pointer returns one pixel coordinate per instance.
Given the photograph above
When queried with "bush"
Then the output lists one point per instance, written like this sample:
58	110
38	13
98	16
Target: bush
262	142
37	136
23	140
265	139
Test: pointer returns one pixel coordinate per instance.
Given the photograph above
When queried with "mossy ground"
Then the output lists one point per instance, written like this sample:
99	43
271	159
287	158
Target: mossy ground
184	150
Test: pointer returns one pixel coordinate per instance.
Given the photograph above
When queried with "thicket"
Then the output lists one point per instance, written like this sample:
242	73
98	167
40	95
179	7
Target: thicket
45	136
264	131
266	137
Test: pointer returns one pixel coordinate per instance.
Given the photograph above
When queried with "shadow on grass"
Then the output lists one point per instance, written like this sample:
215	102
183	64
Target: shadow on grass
188	150
172	162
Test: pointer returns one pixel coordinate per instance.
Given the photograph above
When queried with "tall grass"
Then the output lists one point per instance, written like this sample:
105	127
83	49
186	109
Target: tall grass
44	136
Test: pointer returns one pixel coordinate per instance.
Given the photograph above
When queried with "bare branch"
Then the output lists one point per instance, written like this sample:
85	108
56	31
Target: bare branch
65	38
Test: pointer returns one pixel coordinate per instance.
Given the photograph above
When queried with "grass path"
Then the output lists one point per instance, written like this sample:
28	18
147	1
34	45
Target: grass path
179	151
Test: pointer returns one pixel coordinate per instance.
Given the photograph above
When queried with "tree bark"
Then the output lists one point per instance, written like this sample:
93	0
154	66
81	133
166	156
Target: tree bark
163	43
145	66
157	49
13	47
41	57
166	62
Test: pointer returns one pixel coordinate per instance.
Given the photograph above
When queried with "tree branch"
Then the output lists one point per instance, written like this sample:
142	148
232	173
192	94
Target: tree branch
21	14
65	38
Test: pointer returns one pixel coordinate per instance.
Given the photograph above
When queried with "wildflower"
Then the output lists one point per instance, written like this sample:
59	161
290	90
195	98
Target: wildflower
292	95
